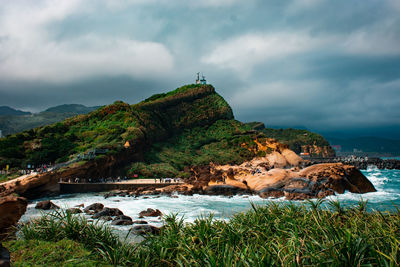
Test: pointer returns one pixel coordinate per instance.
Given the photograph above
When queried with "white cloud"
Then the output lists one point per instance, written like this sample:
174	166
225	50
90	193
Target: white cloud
244	52
278	94
371	43
28	51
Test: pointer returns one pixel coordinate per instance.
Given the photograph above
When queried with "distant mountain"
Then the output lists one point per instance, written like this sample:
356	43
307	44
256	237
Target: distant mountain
71	108
5	110
14	123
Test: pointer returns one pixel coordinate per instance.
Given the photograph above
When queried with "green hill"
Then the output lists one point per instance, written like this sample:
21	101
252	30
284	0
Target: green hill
160	136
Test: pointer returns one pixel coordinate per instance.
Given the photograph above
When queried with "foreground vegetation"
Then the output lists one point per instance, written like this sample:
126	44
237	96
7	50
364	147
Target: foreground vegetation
315	234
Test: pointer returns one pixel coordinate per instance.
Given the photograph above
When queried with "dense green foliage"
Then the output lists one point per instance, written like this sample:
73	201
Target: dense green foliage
111	126
64	252
275	234
218	143
297	138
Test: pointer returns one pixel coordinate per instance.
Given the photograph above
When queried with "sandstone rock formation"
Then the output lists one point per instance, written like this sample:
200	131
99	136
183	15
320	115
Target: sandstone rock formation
11	210
316	181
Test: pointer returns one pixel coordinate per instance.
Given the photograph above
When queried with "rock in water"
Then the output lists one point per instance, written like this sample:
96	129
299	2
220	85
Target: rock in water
145	229
150	213
11	210
139	222
96	207
46	205
4	257
121	222
108	212
74	210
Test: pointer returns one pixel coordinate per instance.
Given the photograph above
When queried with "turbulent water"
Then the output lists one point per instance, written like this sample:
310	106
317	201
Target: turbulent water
387	183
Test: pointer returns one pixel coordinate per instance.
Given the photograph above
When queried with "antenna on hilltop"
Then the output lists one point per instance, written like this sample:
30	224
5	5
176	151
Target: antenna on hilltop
202	80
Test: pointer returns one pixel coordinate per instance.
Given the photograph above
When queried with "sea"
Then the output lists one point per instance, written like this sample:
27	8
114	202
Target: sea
387	198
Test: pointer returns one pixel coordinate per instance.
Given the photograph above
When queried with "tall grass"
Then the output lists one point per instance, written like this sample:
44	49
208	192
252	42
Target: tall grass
276	234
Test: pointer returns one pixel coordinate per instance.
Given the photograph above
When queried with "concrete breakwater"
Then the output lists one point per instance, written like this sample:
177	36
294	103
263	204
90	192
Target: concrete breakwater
361	162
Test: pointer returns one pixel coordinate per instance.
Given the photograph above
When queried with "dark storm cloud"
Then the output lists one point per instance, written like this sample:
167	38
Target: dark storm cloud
315	63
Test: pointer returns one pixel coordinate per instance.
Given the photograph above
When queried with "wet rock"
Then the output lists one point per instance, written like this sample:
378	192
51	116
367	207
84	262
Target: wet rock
226	190
46	205
110	194
4	257
96	207
105	218
74	210
145	229
123	217
121	222
139	222
108	212
150	213
11	210
272	194
80	206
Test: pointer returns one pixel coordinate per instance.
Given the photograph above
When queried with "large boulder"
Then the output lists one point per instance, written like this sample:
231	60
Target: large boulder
95	207
46	205
144	229
4	257
150	213
121	222
107	212
11	210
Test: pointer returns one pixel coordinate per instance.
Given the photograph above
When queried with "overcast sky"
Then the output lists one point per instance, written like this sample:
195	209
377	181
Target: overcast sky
330	66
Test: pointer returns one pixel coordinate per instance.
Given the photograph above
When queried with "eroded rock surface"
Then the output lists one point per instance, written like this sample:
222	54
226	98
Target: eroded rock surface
11	210
316	181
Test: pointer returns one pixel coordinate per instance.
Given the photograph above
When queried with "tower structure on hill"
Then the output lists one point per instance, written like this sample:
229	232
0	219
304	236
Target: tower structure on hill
202	80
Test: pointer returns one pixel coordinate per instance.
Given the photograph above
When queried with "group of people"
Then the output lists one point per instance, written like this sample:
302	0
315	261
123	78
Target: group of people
113	180
167	180
93	180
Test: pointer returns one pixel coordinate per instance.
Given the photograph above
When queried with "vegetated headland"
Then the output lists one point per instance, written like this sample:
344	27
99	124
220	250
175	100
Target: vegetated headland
188	133
184	133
